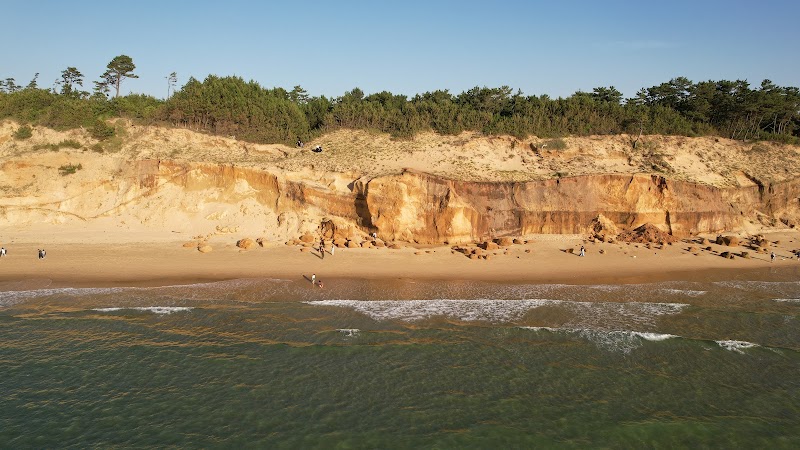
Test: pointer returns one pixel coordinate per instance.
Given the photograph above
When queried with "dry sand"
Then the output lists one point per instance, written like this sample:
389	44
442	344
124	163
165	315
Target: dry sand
73	263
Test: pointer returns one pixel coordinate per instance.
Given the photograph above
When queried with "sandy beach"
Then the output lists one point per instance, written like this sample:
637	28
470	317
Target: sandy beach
88	259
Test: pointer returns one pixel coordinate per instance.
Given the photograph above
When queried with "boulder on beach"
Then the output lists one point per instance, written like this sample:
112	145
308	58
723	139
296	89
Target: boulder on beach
246	243
352	244
190	245
488	245
730	241
504	241
602	228
307	238
204	248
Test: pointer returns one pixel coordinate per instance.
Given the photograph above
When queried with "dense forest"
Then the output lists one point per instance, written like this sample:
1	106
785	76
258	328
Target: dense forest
232	106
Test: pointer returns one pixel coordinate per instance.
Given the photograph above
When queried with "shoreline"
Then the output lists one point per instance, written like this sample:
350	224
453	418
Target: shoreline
543	261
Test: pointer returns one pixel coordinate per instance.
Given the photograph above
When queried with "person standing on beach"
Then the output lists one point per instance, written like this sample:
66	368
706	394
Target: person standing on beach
772	257
313	278
333	248
320	284
322	249
2	251
583	251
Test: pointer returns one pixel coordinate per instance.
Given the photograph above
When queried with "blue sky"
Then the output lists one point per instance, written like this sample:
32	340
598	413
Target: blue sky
407	47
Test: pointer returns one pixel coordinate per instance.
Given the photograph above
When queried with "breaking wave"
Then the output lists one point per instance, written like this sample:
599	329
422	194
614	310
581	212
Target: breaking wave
736	346
152	309
613	340
503	310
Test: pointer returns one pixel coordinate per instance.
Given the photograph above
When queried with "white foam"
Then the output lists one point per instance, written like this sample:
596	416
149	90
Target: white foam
655	337
414	310
550	329
686	292
585	314
736	346
349	332
152	309
613	340
8	298
787	300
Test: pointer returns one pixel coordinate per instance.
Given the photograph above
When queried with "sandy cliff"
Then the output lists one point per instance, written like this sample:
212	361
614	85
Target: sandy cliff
429	190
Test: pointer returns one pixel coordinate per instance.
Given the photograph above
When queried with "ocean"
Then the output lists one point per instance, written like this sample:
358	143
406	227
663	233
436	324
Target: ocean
274	363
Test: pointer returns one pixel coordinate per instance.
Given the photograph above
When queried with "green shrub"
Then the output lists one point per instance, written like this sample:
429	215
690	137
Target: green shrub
69	169
554	144
69	143
101	130
23	132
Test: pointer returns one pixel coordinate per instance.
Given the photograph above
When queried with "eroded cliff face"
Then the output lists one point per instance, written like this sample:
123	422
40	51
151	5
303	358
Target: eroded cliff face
427	209
409	206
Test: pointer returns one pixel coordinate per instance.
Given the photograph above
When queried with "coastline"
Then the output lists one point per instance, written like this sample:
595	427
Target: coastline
71	262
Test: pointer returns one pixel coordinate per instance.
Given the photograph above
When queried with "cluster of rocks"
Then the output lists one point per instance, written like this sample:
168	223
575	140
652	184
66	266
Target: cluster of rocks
486	249
309	241
647	233
757	243
602	229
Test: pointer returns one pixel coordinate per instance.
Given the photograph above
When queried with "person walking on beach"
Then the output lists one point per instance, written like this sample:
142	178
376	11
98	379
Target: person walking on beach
333	248
772	257
2	251
313	278
583	251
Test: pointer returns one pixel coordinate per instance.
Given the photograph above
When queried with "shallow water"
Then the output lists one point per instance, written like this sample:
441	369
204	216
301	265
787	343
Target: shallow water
402	364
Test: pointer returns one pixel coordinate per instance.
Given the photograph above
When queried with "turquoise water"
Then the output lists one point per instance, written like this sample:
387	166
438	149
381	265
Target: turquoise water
369	364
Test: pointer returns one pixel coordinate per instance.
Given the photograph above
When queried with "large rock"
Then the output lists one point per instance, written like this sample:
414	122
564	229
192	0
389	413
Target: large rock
488	245
730	241
246	243
204	248
352	244
505	241
308	238
603	228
